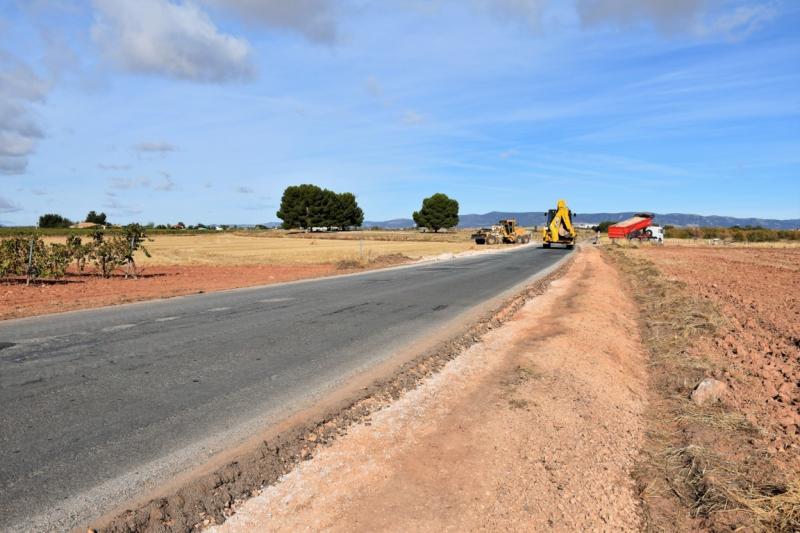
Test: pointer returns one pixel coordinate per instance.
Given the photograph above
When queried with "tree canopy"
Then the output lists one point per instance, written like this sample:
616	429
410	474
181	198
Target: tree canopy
53	220
94	218
439	211
309	206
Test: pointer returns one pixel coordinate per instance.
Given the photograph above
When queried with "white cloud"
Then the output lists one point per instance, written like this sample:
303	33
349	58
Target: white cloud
6	206
704	18
130	183
117	208
155	146
20	90
162	37
315	19
738	23
527	12
104	166
241	189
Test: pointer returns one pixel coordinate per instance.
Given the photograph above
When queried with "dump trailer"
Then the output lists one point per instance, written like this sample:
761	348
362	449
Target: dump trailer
505	231
558	229
639	226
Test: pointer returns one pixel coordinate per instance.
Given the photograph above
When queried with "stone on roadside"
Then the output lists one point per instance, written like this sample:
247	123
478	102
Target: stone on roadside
708	391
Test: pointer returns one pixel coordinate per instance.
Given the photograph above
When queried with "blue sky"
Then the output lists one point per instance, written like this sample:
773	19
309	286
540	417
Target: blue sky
205	110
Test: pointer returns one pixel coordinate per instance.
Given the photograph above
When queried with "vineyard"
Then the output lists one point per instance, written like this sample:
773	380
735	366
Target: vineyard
30	257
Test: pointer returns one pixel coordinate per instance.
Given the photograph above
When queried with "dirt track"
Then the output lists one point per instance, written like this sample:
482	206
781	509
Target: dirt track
535	427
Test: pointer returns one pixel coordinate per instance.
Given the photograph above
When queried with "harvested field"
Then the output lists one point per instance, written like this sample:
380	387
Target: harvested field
729	314
247	249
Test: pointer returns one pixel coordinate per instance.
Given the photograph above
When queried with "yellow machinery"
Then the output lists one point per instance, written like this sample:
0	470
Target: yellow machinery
559	228
505	231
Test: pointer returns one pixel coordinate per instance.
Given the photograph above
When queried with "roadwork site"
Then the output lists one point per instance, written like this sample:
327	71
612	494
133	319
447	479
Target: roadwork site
535	427
629	387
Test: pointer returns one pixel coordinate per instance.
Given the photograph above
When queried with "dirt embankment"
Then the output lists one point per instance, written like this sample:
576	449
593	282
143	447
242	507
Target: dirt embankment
535	427
731	461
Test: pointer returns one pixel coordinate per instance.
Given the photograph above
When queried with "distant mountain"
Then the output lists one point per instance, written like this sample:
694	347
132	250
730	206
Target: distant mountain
537	218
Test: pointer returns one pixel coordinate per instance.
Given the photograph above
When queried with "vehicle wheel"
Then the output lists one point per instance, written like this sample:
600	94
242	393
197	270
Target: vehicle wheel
480	241
491	240
520	240
570	246
545	245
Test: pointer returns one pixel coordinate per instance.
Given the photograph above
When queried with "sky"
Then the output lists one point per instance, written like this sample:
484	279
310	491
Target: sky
205	110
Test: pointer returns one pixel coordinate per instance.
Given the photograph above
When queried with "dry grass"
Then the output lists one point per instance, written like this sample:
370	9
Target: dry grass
242	249
709	460
694	243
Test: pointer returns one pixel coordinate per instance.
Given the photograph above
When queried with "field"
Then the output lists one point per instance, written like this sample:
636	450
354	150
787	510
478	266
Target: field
201	262
302	249
729	314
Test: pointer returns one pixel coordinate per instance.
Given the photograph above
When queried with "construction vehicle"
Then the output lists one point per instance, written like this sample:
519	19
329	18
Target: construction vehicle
505	231
558	229
640	226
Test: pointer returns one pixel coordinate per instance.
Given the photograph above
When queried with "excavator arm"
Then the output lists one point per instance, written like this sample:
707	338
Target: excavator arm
562	218
559	229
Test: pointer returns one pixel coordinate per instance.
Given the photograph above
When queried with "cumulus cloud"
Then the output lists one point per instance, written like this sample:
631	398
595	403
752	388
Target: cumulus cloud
702	17
155	146
162	37
20	90
7	206
315	19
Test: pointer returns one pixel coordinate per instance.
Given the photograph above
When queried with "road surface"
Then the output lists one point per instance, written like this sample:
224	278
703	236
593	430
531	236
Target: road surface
98	405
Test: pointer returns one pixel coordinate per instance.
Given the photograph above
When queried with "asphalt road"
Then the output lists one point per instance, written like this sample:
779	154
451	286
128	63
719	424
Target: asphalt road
98	404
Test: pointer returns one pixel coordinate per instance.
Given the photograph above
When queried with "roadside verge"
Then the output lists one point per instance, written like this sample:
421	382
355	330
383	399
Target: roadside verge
264	462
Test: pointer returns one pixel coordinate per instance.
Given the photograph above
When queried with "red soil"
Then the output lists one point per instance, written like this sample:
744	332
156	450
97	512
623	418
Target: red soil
757	292
83	291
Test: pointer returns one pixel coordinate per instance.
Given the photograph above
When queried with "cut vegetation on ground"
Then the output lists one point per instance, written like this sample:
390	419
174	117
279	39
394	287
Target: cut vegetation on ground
728	458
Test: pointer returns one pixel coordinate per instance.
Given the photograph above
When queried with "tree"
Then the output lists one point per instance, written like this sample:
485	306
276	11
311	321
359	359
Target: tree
348	212
53	220
309	206
94	218
603	226
296	205
439	211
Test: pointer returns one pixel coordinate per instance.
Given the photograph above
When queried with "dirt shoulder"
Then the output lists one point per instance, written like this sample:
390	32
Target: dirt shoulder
535	427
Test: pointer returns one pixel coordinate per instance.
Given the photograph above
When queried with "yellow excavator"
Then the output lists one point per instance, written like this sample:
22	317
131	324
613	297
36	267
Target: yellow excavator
559	228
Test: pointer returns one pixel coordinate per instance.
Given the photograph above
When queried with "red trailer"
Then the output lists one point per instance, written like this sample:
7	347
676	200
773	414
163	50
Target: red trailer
635	225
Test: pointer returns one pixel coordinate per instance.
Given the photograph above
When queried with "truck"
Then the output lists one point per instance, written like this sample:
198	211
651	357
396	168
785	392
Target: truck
559	229
640	226
505	231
